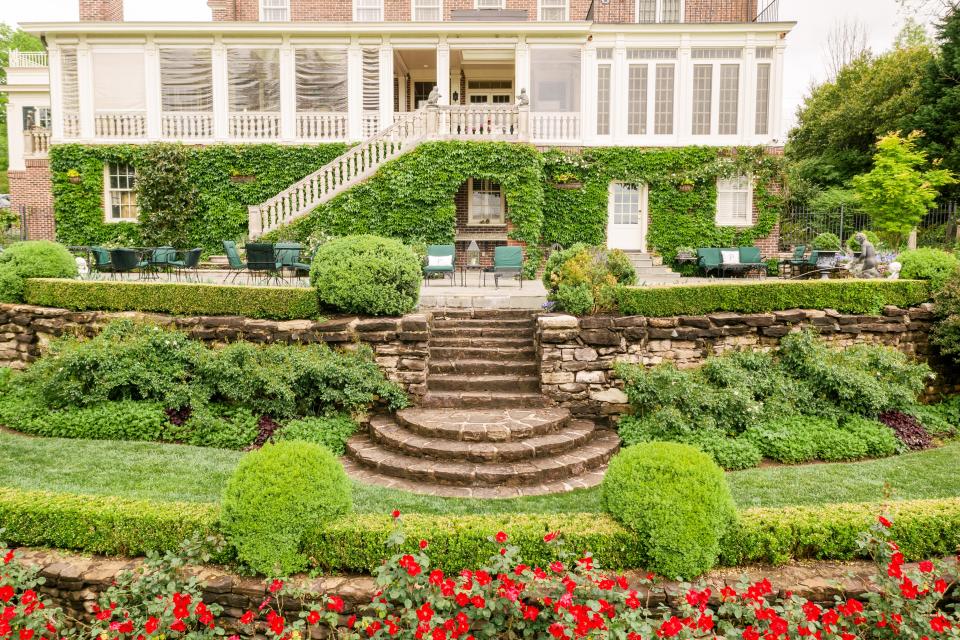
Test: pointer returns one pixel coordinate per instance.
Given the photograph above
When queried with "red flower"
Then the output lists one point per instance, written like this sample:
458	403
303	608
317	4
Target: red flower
557	630
462	599
26	634
550	537
276	623
395	514
926	566
314	617
478	602
247	618
728	593
940	586
7	559
423	544
351	621
750	634
501	537
335	603
556	566
178	626
812	611
530	612
705	623
940	624
276	585
908	589
425	613
670	628
886	523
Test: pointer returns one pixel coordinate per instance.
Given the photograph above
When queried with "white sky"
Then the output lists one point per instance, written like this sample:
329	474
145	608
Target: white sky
805	48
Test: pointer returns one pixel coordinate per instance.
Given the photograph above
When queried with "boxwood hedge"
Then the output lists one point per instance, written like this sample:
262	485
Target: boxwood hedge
114	526
271	303
846	296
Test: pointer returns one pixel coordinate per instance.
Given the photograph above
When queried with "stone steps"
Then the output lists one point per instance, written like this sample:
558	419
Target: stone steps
514	354
480	342
483	314
468	323
518	332
455	382
483	367
482	400
484	426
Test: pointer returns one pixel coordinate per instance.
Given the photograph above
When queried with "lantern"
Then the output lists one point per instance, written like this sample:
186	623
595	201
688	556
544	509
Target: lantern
473	254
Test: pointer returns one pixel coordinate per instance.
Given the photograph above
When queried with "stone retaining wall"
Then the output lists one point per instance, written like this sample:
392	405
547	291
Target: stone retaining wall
577	354
400	344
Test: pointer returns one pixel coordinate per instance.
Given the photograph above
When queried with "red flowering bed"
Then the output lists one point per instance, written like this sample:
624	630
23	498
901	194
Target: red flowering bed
568	599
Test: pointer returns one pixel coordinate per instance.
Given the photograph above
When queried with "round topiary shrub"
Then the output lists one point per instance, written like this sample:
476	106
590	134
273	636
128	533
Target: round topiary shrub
32	259
277	495
826	242
934	265
367	275
677	502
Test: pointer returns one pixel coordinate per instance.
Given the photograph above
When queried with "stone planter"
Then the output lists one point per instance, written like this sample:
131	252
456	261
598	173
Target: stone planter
242	179
568	186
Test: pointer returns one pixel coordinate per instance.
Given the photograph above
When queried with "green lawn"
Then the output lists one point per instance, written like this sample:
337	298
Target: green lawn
191	474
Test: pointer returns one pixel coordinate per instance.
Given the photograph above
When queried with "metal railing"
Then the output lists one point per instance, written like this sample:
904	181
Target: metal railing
27	59
770	14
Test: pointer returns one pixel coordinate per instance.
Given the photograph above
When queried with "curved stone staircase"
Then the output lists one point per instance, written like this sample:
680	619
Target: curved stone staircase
483	429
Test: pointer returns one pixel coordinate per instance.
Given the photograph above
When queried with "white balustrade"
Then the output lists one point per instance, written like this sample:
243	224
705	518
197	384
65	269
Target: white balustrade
371	123
71	125
481	121
120	124
322	126
28	59
186	125
36	142
555	127
254	125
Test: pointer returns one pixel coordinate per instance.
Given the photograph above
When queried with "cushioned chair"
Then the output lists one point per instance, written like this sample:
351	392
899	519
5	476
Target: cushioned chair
288	254
126	261
709	260
235	265
161	258
262	258
189	264
507	261
752	259
797	259
444	257
101	260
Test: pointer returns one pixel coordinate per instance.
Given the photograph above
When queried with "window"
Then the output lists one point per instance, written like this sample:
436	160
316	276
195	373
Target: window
489	4
555	76
762	126
720	53
702	98
253	78
121	197
427	10
553	10
650	11
729	99
186	79
275	10
36	117
603	100
485	205
735	201
368	10
663	106
624	203
371	80
637	100
321	80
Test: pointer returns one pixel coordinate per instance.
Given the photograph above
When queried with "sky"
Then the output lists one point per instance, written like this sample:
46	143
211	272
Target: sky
805	58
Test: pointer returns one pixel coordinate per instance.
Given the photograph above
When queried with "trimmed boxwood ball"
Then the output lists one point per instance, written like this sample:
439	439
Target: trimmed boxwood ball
935	265
676	499
367	275
32	259
275	497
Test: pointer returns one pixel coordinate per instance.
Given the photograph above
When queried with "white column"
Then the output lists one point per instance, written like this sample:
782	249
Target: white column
151	76
288	95
443	72
221	95
402	92
776	94
16	150
748	94
386	85
521	69
683	109
56	93
355	91
619	76
588	93
85	90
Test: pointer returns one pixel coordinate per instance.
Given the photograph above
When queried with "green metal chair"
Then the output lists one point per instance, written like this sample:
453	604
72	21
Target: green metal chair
262	258
189	264
709	260
101	260
507	261
235	264
160	259
441	251
288	254
797	259
752	259
126	261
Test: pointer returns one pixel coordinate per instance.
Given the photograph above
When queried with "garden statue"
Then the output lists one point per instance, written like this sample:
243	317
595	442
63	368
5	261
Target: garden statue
82	269
894	271
434	97
866	265
523	99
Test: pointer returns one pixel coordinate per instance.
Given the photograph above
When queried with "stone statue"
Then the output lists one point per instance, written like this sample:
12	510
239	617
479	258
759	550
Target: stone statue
894	273
867	264
523	99
434	96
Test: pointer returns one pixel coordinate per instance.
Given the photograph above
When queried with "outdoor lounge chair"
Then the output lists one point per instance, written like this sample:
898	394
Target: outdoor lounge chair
288	254
709	260
235	264
441	258
262	258
189	264
507	261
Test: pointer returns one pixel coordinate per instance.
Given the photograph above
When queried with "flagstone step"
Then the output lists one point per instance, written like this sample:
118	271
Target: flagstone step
480	323
364	450
482	400
527	352
481	367
386	432
484	314
498	425
492	343
472	383
522	333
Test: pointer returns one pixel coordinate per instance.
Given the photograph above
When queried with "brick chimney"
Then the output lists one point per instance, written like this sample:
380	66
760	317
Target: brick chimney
101	10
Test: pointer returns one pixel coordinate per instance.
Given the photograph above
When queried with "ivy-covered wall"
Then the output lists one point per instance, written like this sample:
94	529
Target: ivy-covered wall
217	209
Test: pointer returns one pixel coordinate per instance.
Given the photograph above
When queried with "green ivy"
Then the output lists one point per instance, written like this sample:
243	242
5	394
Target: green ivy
218	209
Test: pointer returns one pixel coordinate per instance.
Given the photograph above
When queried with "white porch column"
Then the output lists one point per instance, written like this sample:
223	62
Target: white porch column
684	88
355	91
386	85
56	93
521	70
85	91
588	93
151	76
618	94
16	147
776	95
443	72
288	96
221	96
748	92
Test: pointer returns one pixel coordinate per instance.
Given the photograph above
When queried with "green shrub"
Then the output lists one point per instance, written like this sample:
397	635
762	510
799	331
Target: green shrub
934	265
790	440
367	275
220	427
275	496
331	432
122	420
32	259
583	279
838	445
731	454
879	439
946	330
676	500
846	296
826	242
939	420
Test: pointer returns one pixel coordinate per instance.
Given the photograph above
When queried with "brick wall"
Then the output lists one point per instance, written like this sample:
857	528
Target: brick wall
31	189
101	10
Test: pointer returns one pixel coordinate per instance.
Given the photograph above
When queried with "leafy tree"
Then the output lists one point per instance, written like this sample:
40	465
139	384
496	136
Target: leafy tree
11	38
902	187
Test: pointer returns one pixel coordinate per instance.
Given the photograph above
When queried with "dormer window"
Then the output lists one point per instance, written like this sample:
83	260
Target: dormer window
275	10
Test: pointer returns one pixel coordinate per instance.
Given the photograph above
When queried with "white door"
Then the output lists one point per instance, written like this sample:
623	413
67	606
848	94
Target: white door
627	217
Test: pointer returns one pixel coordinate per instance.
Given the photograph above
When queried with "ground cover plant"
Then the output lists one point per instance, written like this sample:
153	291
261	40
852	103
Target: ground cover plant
801	403
137	381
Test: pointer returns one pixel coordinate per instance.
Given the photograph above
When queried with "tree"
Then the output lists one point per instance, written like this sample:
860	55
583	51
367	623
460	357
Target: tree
846	42
902	187
11	38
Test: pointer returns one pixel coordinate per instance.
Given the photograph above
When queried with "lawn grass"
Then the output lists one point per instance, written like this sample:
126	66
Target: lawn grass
193	474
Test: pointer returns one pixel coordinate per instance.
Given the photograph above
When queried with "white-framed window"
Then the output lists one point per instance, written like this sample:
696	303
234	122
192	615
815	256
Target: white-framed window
624	203
368	10
651	91
716	95
275	10
729	99
490	4
120	192
603	99
485	204
637	99
735	201
667	11
554	10
764	73
427	10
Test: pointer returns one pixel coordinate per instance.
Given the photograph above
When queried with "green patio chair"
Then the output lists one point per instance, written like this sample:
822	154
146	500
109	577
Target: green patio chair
262	258
752	260
160	259
797	259
709	260
189	264
101	260
235	264
444	257
507	261
126	261
288	254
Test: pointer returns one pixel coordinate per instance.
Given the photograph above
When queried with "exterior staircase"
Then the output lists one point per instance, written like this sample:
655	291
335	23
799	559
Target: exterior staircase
483	429
650	269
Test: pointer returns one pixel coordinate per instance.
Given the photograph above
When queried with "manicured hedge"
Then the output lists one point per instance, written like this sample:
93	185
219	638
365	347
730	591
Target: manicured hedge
113	526
846	296
273	303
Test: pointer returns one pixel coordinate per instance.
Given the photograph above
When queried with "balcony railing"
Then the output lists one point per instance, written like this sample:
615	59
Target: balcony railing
36	142
120	124
187	125
254	125
743	11
771	13
322	125
28	59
